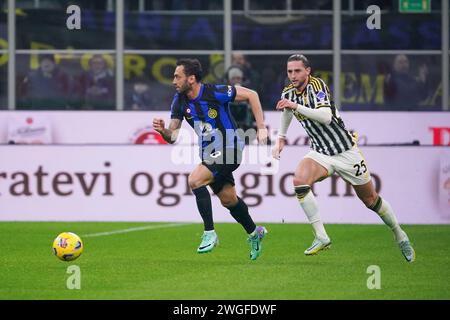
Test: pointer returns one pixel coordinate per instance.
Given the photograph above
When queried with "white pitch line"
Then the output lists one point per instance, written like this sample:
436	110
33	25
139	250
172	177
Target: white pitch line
160	226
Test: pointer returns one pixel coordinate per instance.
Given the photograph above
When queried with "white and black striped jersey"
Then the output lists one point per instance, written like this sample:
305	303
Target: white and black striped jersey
329	139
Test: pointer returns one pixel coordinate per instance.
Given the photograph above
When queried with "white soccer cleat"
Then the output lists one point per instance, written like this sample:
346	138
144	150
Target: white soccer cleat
407	250
318	245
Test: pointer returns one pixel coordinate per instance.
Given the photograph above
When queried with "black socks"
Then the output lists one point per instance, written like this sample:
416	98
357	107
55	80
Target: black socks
204	207
239	212
241	215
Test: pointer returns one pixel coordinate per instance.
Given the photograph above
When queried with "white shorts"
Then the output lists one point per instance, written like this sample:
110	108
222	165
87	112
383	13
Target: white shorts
350	165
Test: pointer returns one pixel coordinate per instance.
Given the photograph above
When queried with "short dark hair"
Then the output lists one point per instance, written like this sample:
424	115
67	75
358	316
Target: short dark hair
300	57
192	67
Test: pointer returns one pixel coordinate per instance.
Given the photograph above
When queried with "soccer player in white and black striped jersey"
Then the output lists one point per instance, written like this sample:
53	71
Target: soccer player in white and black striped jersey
334	149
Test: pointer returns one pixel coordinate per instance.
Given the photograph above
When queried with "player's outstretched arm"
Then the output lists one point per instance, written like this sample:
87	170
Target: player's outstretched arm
322	115
245	94
170	134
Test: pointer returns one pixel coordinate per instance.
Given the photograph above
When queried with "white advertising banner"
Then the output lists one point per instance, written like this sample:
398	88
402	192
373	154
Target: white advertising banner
29	129
149	183
444	183
128	127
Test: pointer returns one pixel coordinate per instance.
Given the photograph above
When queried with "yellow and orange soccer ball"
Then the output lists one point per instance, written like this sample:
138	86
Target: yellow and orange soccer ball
67	246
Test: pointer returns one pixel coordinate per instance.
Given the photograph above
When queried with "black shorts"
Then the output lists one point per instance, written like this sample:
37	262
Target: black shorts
222	169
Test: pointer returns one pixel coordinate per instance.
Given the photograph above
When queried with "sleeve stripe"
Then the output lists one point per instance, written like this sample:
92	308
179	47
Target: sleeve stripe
323	87
314	83
317	85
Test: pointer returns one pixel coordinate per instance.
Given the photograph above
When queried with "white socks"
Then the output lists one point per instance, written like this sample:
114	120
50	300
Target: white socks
387	215
309	205
381	207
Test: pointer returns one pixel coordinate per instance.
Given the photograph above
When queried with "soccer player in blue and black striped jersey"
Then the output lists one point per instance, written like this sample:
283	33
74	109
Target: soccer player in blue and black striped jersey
205	108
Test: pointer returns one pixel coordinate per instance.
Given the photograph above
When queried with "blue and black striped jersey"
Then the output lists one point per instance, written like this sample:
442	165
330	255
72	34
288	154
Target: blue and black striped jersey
210	117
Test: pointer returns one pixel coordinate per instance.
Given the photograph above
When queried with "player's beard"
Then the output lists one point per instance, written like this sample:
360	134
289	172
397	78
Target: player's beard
185	88
300	84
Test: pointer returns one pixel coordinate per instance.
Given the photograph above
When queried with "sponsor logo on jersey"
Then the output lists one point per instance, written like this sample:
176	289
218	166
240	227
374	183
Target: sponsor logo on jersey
205	127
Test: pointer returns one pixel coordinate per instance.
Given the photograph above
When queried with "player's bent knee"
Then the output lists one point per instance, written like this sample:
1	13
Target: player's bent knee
195	183
299	181
373	202
301	191
369	199
229	203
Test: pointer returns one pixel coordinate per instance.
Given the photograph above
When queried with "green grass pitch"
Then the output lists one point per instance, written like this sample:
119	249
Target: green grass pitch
162	263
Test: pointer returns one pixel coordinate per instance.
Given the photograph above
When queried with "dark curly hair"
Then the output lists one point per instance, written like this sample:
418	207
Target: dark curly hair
192	67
